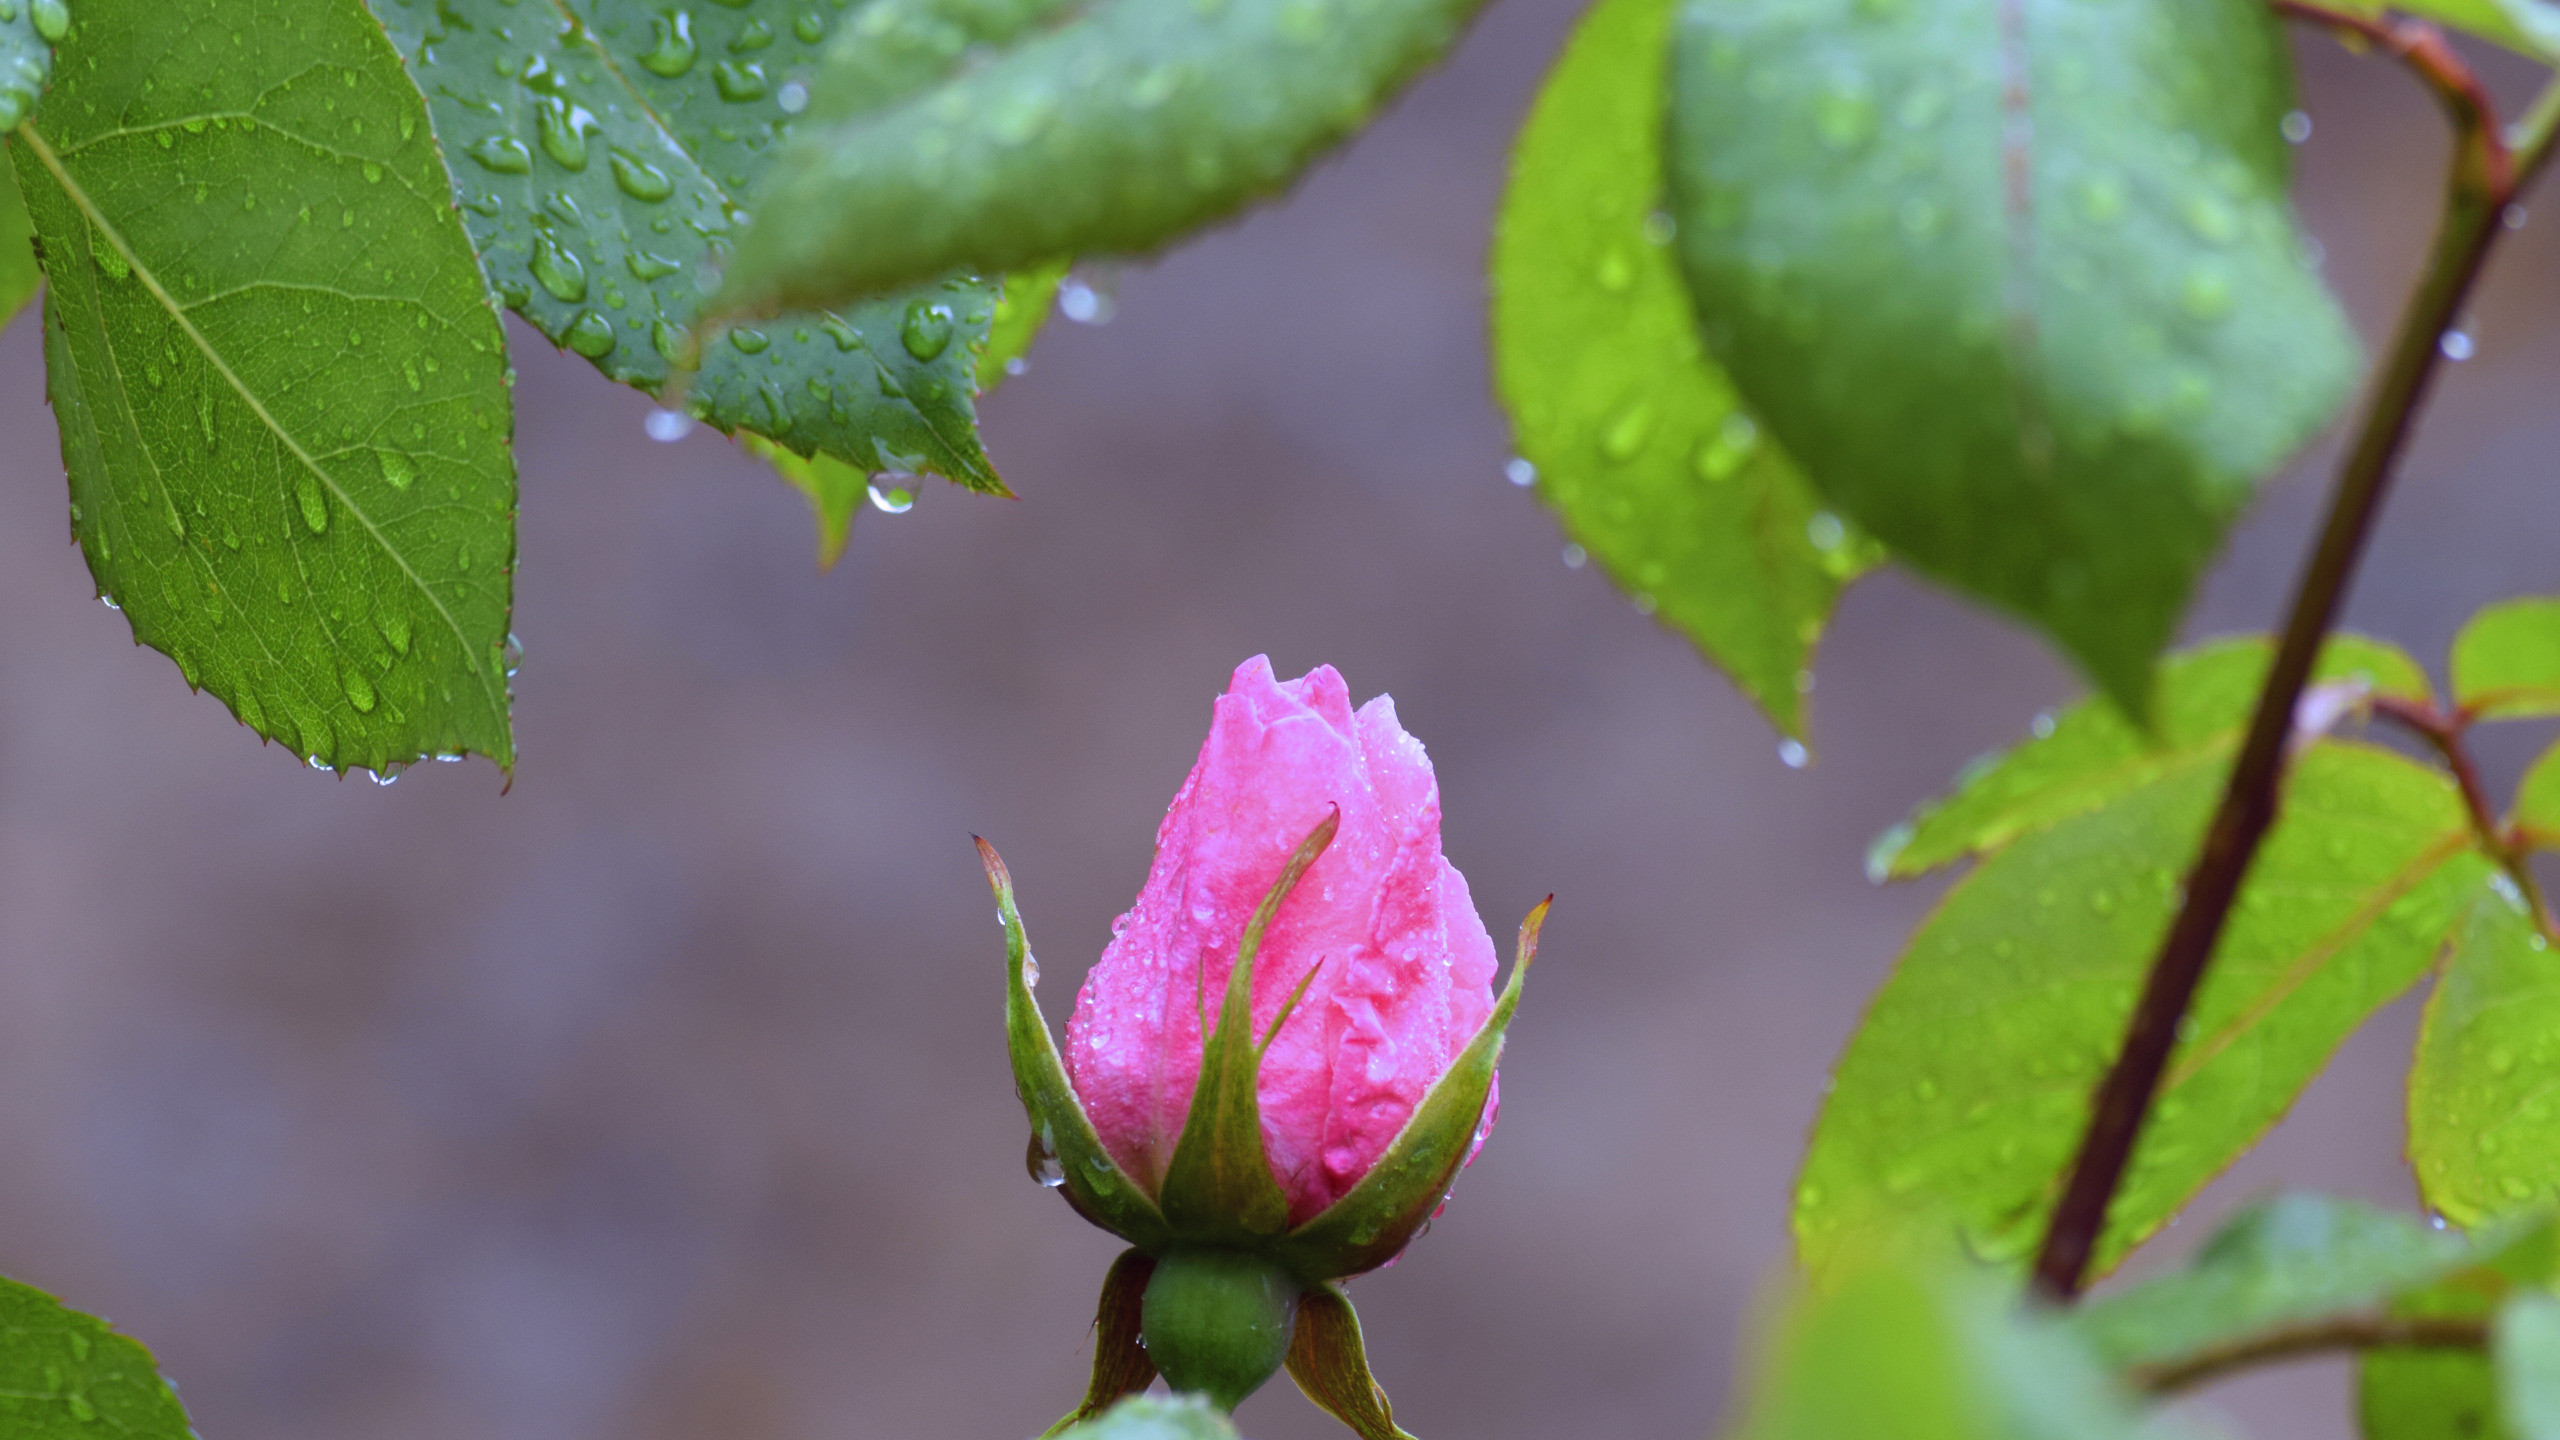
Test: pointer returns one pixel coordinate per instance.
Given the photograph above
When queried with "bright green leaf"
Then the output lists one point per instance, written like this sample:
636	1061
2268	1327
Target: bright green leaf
28	33
1109	132
2506	661
2016	282
601	149
282	388
68	1376
1636	436
1021	310
1886	1354
2035	959
834	490
2538	800
2090	754
1155	1417
2484	1124
2525	1346
2448	1394
18	273
2288	1260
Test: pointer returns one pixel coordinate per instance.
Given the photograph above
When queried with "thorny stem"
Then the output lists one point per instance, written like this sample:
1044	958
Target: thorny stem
2445	732
2354	1332
2486	175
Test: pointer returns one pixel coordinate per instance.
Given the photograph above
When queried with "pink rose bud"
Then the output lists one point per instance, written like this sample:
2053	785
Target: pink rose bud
1281	1061
1402	966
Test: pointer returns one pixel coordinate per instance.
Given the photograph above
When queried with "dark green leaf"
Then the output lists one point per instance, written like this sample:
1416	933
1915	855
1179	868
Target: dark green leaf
67	1376
282	388
18	274
2506	661
1152	1417
29	29
1110	132
2284	1261
1888	1355
601	149
2090	754
1635	433
2035	958
2525	1347
2016	282
1021	310
2484	1123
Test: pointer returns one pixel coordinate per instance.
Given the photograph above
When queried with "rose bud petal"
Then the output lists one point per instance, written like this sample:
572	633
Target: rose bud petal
1396	965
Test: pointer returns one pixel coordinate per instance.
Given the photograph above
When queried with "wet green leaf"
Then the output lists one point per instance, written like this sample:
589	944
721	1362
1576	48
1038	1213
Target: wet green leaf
18	273
2506	660
1021	312
68	1376
2090	754
2484	1123
2283	1261
281	386
2015	281
2035	959
600	150
1889	1354
29	29
1111	131
1155	1417
1636	436
2538	800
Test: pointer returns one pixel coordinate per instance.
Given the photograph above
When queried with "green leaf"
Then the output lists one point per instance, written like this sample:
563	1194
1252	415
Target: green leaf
1638	440
282	389
1109	132
2538	800
2484	1127
1061	1134
2525	1346
2016	282
1218	1185
1021	310
2035	959
834	490
2090	754
68	1376
2506	661
601	150
1151	1417
2291	1259
28	33
18	273
1890	1354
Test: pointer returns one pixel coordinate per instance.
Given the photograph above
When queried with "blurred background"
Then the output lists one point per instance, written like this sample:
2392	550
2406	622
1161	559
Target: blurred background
664	1096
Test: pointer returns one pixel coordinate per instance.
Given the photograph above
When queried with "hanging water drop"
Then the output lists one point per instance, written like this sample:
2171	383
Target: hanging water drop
2456	345
1792	754
926	330
890	497
1082	303
1575	557
2295	127
591	335
1519	471
667	426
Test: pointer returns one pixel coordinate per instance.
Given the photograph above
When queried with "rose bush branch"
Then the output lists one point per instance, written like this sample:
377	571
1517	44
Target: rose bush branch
2489	169
2446	730
2294	1342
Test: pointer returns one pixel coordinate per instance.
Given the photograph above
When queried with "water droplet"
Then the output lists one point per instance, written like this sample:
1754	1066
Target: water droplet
2211	220
2206	293
671	48
1030	968
560	272
1659	227
395	629
359	689
739	82
2295	127
562	128
1082	303
501	154
2042	726
1626	434
397	470
1723	453
809	25
1792	754
2456	345
667	426
890	498
1615	273
308	499
749	341
1575	557
926	331
52	20
1824	531
591	335
1519	471
793	97
2514	217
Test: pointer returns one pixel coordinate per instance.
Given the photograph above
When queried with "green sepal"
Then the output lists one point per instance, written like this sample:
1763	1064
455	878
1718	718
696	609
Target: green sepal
1375	1221
1120	1363
1331	1366
1094	1184
1218	1186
